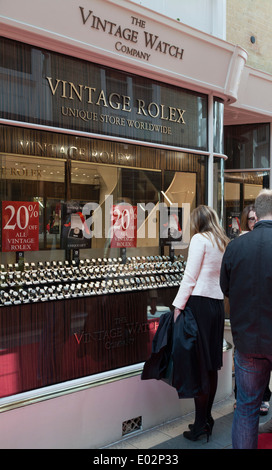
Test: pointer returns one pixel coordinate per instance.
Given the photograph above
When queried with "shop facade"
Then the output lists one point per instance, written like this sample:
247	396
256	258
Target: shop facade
248	140
111	133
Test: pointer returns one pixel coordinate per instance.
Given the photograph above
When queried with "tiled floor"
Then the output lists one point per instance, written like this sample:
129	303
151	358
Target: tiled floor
169	435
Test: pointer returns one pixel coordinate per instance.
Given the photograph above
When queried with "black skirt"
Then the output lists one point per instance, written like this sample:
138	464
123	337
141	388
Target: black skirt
209	315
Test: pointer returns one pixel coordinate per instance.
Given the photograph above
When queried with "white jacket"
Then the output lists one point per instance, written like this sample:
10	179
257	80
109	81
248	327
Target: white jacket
201	275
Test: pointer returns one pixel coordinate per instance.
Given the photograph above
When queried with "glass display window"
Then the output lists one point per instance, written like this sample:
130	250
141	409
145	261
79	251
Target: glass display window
241	189
44	87
68	174
95	212
247	146
77	299
36	180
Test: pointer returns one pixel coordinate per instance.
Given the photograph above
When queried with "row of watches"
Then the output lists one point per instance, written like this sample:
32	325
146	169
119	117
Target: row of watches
83	289
58	280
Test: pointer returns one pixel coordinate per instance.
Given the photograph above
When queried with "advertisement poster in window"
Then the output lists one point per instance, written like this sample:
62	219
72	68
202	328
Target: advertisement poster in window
74	227
171	231
233	225
124	226
20	226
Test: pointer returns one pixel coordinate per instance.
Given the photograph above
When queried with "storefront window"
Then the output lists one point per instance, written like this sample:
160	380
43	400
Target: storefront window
241	190
95	215
56	90
41	181
74	305
247	146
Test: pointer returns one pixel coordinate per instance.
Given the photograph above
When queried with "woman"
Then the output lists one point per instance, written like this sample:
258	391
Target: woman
200	290
248	219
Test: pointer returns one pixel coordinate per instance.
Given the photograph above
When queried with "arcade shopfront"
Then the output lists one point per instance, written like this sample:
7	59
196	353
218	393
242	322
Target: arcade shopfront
110	136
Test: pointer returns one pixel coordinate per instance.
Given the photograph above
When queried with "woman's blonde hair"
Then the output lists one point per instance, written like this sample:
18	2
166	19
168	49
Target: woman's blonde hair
205	220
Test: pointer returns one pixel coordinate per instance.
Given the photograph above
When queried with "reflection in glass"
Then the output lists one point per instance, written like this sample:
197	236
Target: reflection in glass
218	188
79	306
130	106
218	126
247	146
241	190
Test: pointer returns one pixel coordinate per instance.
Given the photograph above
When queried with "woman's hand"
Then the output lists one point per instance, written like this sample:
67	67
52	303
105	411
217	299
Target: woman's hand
177	311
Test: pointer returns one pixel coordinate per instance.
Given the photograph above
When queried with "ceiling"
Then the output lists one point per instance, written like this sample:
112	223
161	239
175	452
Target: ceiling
235	116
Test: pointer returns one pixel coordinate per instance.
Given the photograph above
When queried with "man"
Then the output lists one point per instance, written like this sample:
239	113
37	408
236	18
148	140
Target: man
246	278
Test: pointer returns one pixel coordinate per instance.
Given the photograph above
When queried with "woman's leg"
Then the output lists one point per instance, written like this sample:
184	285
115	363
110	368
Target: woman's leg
213	387
201	405
204	403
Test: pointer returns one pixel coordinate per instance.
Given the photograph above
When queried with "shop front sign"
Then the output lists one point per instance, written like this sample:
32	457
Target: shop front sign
128	40
127	36
73	94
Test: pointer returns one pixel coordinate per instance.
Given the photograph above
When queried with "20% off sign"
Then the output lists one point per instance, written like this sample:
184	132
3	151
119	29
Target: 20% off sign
20	226
124	226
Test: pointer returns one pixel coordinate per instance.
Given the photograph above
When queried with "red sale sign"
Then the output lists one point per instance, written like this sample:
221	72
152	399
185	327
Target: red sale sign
124	226
20	226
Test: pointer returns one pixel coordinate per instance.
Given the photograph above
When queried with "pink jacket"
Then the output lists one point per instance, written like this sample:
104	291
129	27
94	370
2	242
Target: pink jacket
201	275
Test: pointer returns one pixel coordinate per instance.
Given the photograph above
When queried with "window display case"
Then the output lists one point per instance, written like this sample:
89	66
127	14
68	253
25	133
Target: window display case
86	162
84	123
62	321
47	281
73	306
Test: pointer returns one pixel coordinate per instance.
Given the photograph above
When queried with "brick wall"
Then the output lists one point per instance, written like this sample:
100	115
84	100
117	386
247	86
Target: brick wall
246	18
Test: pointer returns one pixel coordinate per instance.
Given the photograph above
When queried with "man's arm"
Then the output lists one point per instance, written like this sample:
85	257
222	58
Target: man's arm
225	273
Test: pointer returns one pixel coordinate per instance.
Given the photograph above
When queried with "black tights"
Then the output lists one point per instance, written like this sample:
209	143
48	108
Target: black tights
204	403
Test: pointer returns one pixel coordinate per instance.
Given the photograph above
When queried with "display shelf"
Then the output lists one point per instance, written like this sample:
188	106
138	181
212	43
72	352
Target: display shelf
58	280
